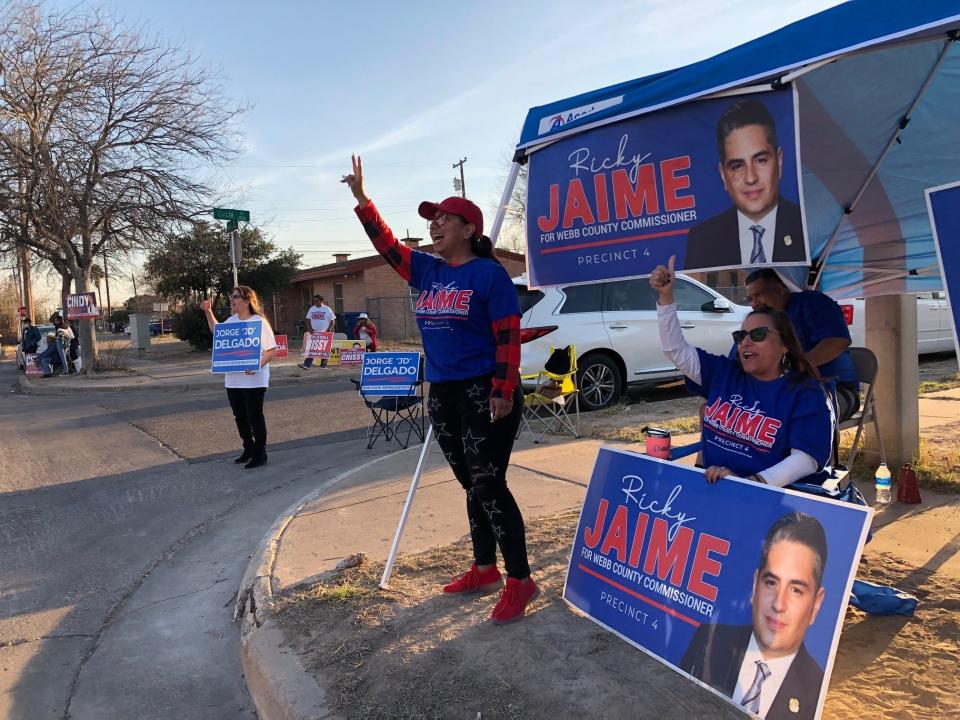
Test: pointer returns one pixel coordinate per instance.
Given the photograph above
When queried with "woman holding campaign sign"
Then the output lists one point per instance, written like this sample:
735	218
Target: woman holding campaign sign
767	417
246	389
469	318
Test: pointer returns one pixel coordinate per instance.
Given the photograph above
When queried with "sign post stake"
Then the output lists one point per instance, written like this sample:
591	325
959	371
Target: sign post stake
388	568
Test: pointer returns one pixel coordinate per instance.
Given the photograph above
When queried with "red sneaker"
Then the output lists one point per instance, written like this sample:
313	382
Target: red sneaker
514	599
476	581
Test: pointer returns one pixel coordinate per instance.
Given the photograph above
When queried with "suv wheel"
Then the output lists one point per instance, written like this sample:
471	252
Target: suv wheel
600	382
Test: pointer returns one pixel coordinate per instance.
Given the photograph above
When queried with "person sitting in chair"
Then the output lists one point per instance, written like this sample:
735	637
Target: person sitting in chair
767	417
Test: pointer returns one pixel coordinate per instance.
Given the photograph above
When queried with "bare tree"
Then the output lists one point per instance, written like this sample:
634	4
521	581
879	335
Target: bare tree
103	131
513	232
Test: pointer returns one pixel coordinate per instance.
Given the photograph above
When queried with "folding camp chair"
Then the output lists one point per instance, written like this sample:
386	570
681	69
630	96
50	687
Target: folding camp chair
391	415
553	406
866	364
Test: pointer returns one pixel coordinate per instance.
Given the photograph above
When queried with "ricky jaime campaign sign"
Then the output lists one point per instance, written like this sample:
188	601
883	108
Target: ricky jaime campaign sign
616	201
710	578
389	373
236	347
943	206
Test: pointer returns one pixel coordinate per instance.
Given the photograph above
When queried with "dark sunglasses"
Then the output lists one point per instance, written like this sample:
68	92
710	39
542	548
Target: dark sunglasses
236	297
758	334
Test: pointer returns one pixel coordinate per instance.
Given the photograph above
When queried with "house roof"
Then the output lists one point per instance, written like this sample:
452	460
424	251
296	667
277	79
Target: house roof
339	269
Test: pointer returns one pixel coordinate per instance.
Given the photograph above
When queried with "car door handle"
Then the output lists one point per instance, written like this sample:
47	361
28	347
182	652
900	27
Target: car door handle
688	326
619	327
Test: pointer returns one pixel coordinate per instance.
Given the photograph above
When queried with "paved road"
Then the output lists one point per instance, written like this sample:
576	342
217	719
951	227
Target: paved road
124	531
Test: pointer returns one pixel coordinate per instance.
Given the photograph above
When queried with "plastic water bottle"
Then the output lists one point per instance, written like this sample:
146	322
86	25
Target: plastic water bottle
882	481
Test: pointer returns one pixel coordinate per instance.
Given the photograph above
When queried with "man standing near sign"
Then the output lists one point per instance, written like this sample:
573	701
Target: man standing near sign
765	667
763	227
322	319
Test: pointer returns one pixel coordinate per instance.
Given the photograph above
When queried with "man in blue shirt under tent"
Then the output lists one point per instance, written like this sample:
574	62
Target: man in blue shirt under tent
821	329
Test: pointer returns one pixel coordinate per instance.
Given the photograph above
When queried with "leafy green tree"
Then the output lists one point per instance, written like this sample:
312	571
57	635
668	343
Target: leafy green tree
194	265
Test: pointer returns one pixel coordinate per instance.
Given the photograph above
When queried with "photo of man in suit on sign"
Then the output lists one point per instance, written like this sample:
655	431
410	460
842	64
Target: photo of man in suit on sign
762	227
765	667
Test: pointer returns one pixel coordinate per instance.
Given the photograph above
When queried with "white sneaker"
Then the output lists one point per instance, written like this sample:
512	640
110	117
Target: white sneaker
302	366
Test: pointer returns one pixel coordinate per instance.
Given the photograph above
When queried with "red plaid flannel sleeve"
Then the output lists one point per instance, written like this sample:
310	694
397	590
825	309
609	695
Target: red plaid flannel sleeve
397	255
506	375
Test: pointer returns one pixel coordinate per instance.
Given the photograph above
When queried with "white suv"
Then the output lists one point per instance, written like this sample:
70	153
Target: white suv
614	327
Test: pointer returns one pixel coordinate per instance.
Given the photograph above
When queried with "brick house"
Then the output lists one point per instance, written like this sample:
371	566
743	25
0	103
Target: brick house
364	284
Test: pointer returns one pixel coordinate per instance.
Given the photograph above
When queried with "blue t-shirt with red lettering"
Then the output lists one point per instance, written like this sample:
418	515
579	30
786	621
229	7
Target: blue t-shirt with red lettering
455	308
750	425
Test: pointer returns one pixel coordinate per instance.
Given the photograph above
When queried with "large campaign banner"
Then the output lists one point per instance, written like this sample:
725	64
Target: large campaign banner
943	206
390	374
713	578
715	182
82	305
236	347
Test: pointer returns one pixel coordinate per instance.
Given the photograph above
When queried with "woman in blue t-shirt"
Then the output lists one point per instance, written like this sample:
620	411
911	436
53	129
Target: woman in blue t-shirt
469	319
767	416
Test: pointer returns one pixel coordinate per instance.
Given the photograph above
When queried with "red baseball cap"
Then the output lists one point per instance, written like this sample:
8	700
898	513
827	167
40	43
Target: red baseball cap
454	205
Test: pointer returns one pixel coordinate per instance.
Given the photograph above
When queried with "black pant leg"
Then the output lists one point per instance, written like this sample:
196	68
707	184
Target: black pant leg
479	454
238	404
258	424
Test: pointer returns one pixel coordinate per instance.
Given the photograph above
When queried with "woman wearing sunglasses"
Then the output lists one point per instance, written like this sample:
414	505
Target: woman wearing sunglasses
245	390
469	319
767	416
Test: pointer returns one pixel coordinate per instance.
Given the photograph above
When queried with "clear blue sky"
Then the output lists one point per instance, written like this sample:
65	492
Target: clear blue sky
415	86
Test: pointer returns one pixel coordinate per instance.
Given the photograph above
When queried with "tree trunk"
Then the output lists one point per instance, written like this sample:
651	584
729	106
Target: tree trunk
88	332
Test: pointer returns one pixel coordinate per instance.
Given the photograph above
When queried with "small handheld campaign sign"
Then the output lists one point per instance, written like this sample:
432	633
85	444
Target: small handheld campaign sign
658	560
347	353
282	349
391	374
82	305
236	347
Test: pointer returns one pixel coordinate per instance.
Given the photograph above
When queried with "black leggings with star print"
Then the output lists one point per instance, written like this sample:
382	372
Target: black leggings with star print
478	452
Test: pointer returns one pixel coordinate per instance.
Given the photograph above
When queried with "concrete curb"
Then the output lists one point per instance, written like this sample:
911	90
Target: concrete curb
280	686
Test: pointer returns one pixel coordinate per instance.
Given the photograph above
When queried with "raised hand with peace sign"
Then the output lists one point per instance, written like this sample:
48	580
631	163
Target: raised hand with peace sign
354	181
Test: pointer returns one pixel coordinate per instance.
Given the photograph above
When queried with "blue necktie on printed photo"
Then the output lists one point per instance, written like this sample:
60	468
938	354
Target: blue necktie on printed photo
757	255
751	701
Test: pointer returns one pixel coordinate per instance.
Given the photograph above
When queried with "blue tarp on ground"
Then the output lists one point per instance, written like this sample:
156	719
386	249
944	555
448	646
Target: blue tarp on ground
879	57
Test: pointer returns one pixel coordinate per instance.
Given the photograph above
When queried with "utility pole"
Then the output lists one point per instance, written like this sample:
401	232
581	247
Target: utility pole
463	182
25	274
106	280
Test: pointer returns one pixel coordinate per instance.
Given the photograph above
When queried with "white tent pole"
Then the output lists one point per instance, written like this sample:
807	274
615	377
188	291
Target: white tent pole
388	568
876	166
504	202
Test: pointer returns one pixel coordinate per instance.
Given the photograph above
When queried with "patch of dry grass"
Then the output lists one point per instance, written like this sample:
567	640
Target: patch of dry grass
943	383
113	355
937	466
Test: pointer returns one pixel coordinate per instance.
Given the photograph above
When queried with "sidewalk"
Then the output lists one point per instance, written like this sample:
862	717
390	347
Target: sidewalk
358	513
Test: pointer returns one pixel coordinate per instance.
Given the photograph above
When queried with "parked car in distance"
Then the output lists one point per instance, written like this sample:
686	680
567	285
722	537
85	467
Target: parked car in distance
614	328
156	324
41	346
117	328
934	326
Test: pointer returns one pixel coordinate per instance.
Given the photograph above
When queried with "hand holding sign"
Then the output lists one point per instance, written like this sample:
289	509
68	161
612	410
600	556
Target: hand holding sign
662	279
354	181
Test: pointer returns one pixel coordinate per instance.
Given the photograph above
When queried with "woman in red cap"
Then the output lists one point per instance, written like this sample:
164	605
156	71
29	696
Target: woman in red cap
469	318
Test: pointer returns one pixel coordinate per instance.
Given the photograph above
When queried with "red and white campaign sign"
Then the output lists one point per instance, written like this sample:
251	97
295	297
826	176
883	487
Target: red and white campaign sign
82	305
281	346
318	344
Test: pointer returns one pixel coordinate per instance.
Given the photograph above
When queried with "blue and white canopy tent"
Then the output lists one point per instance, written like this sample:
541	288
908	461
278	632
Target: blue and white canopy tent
878	86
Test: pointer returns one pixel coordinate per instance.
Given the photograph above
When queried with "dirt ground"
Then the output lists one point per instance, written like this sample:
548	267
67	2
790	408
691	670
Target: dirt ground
411	653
